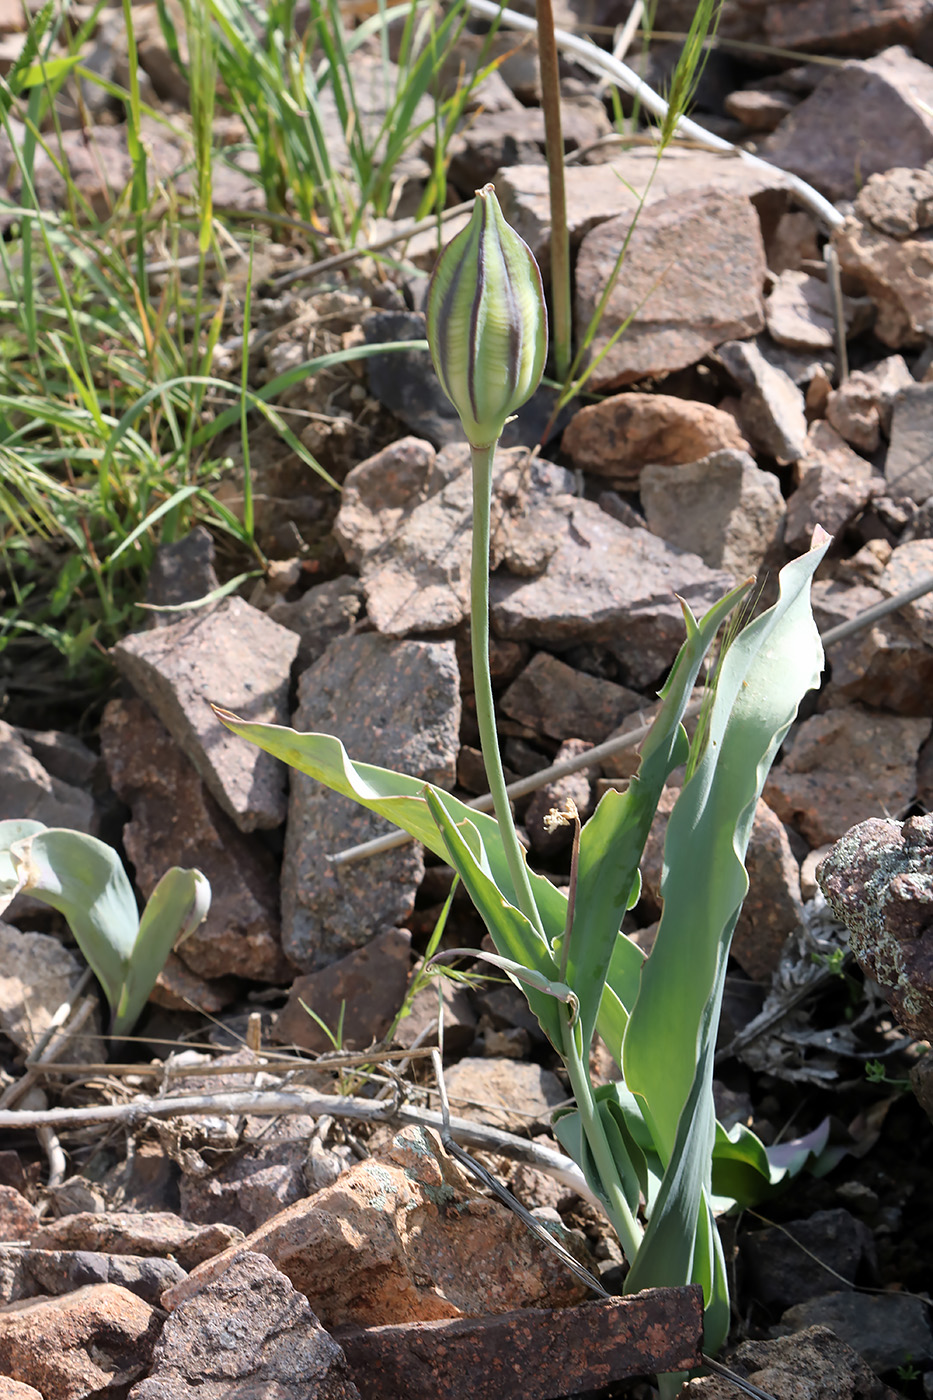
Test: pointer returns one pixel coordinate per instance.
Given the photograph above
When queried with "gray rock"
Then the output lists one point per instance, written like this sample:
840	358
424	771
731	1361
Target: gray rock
724	508
28	790
253	1183
38	974
907	567
693	278
799	312
246	1333
898	202
552	698
896	275
814	1362
323	613
546	838
392	703
606	582
63	756
421	1022
877	121
835	485
240	659
359	995
181	573
886	1329
771	408
908	467
803	1259
406	518
60	1271
175	821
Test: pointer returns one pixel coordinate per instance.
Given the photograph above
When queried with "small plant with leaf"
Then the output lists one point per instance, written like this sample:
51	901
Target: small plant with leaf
84	880
649	1145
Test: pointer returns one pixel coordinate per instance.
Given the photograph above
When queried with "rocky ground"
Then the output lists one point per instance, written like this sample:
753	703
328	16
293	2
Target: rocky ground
151	1248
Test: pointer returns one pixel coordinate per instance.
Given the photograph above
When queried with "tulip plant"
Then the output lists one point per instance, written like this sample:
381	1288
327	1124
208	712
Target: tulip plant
649	1144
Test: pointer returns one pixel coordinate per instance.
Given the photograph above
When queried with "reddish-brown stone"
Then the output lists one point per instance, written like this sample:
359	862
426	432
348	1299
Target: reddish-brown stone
534	1353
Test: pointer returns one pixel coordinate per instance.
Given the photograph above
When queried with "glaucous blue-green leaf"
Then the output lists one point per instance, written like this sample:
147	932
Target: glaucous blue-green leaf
178	904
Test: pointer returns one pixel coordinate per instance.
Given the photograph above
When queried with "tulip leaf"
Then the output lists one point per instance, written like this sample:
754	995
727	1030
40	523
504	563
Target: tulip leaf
178	904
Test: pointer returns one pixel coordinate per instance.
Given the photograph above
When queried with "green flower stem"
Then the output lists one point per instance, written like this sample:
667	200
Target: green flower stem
483	458
623	1221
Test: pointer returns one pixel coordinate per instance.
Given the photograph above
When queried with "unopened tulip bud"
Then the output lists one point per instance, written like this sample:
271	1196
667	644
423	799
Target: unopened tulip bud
487	322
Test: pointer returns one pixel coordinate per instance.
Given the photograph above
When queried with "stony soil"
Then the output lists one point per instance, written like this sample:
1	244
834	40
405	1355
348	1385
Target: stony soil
727	430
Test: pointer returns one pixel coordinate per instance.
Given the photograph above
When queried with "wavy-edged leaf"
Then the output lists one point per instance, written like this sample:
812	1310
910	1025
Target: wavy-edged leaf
85	881
178	904
612	841
764	674
516	939
401	799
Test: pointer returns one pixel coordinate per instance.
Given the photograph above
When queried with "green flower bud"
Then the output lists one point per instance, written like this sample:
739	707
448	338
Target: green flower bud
487	322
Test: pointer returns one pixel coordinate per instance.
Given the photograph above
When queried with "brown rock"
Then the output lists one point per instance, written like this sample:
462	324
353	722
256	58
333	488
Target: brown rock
600	192
379	493
175	821
507	1095
179	989
877	880
773	907
249	1333
892	263
238	658
877	121
760	109
680	306
860	409
724	507
898	202
459	1017
18	1217
359	995
843	766
812	1362
582	1348
37	974
515	137
884	665
835	484
320	615
29	790
908	467
124	1232
72	1347
791	243
402	1239
547	839
394	703
771	407
553	698
604	582
17	1390
619	436
907	567
846	26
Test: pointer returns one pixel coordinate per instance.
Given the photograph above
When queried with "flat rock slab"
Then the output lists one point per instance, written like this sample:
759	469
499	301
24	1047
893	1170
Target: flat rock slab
693	277
392	703
723	507
567	704
360	993
175	821
247	1333
536	1353
235	656
873	110
771	408
908	466
599	192
610	583
126	1232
